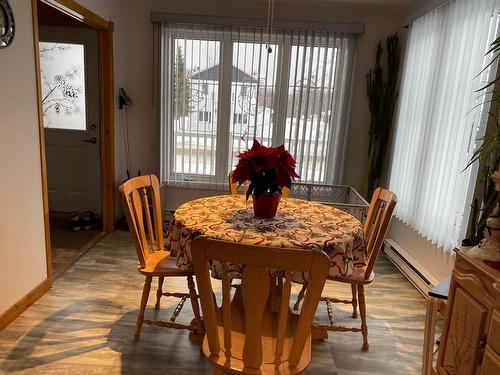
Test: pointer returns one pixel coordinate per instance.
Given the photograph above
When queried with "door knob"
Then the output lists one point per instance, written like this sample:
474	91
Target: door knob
92	140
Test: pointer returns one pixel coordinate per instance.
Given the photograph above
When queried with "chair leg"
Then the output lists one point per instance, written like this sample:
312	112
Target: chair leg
144	302
300	297
362	312
193	296
159	291
354	301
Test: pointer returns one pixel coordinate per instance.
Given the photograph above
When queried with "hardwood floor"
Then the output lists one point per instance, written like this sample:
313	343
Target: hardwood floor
68	245
86	323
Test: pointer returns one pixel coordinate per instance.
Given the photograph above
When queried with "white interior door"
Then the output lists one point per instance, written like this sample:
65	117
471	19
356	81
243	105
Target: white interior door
70	103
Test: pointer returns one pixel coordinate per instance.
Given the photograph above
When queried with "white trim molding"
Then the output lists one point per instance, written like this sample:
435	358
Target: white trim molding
422	10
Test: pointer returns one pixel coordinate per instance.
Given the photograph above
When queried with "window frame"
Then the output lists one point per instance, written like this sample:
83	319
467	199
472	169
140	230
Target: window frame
285	41
189	34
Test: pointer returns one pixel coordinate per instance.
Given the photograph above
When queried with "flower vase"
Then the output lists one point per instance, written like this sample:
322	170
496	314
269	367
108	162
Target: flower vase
265	206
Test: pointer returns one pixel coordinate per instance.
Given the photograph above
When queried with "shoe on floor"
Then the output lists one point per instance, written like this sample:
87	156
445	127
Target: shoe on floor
74	221
88	220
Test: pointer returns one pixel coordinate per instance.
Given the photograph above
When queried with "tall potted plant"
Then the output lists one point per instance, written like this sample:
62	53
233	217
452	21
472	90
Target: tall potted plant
269	169
488	154
382	95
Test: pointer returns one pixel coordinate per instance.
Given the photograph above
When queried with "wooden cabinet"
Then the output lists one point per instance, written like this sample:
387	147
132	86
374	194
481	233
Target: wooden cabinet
466	330
491	363
471	337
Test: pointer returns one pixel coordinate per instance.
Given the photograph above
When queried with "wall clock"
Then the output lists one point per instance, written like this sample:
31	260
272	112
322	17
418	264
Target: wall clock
7	27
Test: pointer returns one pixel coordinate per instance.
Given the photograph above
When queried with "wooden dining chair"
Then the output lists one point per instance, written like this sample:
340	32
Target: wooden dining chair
255	332
140	196
233	187
374	230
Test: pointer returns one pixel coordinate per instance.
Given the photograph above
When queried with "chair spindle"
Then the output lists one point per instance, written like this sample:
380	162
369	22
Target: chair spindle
147	212
226	310
283	319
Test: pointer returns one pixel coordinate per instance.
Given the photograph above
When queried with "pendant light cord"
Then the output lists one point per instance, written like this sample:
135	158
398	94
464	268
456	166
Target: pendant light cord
269	26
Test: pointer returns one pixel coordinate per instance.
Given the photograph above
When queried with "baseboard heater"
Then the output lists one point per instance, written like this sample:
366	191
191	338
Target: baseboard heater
409	267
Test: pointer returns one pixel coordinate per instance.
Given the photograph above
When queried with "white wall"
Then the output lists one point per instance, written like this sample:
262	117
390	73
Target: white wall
22	238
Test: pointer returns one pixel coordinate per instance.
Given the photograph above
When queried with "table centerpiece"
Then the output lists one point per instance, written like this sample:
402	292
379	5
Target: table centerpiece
268	169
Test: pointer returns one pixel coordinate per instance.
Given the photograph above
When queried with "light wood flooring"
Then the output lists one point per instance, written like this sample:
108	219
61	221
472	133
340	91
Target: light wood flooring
68	245
85	325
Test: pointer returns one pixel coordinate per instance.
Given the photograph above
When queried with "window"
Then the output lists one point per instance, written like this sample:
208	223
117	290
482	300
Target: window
309	107
253	85
195	91
62	67
440	118
204	116
240	118
221	88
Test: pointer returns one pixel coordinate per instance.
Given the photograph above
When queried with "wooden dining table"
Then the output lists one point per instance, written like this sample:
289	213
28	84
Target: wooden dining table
298	224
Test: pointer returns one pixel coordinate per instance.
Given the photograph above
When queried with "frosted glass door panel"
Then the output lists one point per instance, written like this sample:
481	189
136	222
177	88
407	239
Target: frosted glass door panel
62	68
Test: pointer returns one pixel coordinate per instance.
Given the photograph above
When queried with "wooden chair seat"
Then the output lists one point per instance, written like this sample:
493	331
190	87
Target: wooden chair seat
270	322
357	277
160	263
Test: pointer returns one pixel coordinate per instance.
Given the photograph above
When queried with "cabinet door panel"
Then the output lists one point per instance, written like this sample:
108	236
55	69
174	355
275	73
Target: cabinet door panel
491	363
466	329
494	332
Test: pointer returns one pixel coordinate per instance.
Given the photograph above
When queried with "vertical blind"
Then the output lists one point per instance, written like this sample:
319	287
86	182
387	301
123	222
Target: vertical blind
221	88
442	117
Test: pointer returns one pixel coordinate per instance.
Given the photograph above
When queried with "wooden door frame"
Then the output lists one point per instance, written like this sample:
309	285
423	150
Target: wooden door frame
106	112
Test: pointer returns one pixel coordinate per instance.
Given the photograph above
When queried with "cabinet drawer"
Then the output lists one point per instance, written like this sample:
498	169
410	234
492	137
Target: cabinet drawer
494	332
491	363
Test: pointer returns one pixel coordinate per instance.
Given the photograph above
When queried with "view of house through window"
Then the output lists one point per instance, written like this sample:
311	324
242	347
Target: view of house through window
253	85
309	108
195	101
229	87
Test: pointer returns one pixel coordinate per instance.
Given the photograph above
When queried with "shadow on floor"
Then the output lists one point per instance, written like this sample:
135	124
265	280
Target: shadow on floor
70	337
78	337
86	322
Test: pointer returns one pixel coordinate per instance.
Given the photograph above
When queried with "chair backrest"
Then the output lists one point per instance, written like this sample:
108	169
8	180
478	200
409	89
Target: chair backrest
140	196
256	285
233	187
376	224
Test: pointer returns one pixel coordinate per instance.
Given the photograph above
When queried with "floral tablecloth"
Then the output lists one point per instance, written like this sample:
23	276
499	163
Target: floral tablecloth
298	224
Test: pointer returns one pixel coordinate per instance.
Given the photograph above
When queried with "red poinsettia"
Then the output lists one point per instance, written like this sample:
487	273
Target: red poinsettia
268	169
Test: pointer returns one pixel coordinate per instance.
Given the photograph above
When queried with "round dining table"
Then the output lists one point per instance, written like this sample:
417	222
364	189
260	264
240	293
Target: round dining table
298	224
